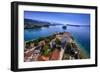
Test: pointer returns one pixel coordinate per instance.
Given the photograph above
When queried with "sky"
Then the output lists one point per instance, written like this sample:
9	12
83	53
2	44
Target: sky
59	17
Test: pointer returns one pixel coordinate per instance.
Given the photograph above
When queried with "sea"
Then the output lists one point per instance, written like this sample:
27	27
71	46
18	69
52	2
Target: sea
81	34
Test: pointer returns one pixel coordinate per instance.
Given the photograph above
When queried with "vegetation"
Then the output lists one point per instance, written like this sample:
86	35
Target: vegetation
46	50
58	42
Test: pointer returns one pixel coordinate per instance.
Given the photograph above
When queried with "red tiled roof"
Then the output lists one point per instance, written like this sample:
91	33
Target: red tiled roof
55	55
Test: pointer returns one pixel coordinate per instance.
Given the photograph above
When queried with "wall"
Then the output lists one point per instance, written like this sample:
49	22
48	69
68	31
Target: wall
5	35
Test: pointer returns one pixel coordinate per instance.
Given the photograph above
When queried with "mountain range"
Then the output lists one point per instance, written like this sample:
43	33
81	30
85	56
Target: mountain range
29	23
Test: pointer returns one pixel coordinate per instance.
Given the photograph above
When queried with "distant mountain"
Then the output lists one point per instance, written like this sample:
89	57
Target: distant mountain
29	23
78	25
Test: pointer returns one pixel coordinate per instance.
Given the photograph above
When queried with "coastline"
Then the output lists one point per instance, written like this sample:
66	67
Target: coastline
82	51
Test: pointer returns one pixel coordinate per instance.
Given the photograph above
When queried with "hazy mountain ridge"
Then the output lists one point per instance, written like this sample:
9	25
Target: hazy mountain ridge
29	23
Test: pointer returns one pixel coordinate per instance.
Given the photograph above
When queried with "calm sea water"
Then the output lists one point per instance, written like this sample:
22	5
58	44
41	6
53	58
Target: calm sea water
81	34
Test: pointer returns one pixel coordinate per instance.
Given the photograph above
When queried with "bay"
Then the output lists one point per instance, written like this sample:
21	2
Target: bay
81	34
